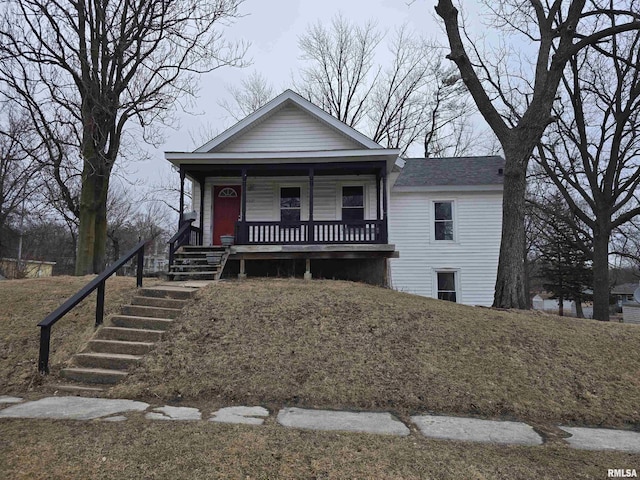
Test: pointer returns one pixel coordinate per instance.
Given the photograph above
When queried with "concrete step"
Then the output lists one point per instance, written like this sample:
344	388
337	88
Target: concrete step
119	346
147	323
128	334
179	293
93	375
154	312
158	302
109	361
77	389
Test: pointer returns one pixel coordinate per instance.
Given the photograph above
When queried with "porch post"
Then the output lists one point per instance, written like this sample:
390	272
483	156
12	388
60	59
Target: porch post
243	210
182	177
202	182
378	195
310	234
385	223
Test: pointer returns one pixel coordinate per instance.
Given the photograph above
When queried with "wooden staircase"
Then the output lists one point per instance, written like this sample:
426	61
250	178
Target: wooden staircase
198	263
125	338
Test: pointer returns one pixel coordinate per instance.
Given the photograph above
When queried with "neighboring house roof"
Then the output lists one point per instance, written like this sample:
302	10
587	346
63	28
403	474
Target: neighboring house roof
625	289
288	97
451	171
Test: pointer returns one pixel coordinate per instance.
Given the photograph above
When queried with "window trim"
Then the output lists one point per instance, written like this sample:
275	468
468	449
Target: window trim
456	279
304	207
365	197
454	219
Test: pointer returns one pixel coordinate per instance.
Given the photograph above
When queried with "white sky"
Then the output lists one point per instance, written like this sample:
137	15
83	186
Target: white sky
272	27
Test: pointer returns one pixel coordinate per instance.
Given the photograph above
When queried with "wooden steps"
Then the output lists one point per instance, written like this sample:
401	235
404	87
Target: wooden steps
198	263
123	341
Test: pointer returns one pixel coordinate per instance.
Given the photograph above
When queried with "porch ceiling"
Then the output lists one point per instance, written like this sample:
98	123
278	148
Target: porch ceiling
201	171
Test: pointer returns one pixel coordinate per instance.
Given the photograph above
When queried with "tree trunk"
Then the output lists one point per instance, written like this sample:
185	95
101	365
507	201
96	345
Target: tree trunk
92	231
600	275
579	311
510	283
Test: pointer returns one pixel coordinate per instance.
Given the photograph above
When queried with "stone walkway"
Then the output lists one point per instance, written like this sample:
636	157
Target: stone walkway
432	426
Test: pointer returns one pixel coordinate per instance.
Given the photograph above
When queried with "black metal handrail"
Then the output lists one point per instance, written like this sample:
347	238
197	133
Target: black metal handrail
97	283
187	234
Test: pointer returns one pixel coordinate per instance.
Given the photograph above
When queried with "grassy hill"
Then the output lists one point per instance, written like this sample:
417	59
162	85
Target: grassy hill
330	344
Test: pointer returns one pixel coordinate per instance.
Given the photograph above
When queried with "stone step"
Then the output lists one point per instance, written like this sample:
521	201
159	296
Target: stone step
158	302
77	389
146	323
109	361
153	312
93	375
119	346
128	334
179	293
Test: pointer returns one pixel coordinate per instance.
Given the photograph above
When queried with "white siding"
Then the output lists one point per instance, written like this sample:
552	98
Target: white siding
473	254
290	129
263	197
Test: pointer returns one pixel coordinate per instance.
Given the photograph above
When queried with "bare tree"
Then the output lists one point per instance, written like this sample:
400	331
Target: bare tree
252	93
518	106
592	153
91	68
19	180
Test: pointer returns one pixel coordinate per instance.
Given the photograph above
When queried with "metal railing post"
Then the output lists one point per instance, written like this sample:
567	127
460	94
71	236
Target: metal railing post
43	360
140	267
100	304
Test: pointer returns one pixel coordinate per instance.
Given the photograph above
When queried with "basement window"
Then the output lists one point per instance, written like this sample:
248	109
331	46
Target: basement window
447	286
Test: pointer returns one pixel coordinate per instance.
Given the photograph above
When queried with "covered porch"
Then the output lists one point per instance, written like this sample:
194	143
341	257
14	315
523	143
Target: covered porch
297	212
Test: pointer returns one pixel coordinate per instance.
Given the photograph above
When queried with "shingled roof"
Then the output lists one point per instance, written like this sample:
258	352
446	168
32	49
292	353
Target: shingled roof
451	171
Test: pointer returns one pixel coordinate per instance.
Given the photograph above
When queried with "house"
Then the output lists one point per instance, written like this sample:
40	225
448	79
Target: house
299	192
14	268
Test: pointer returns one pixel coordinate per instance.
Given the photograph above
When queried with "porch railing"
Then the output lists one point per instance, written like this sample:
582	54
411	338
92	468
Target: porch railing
97	283
315	232
187	234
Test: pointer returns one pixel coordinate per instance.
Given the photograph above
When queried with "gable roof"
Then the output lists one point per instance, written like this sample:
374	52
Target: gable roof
287	98
451	171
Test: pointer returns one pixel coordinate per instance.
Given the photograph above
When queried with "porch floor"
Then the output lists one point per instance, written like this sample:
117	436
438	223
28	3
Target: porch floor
327	251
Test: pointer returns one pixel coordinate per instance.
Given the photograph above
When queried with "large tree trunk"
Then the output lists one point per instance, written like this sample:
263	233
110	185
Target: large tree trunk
600	275
510	283
92	232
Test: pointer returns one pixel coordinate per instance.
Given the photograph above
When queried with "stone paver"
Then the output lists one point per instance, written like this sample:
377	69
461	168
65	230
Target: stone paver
7	399
71	408
603	439
476	430
368	422
174	413
243	415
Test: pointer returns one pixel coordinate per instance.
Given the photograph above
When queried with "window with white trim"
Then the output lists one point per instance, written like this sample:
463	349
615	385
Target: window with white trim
228	192
447	286
443	220
353	203
290	204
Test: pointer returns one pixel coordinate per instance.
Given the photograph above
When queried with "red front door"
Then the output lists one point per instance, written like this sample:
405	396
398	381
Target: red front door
226	210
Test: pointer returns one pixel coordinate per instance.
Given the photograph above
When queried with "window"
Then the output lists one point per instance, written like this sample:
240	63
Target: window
290	204
443	220
228	192
352	203
447	286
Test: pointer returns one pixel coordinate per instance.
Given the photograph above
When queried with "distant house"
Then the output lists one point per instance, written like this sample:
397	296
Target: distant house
14	268
624	293
298	191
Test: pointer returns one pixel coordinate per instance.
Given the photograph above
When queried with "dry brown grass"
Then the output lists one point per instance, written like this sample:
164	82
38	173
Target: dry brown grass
139	449
24	303
332	344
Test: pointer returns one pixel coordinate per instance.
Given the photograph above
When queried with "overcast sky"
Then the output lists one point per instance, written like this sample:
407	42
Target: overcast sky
272	28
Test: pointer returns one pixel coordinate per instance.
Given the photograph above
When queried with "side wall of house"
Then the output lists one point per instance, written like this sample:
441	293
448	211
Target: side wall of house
472	255
263	197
